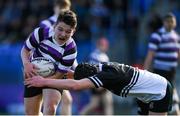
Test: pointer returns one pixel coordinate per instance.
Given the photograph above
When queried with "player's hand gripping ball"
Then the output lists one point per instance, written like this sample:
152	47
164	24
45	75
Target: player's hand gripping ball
45	67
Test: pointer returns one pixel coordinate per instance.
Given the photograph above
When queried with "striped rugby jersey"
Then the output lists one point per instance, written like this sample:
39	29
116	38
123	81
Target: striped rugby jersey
48	22
166	45
42	44
117	78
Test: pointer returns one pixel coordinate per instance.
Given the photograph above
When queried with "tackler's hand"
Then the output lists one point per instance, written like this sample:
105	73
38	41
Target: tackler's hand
36	81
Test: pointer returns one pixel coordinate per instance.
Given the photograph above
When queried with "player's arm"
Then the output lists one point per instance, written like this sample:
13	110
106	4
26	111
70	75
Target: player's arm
31	42
178	55
154	41
148	60
29	69
25	56
68	84
179	50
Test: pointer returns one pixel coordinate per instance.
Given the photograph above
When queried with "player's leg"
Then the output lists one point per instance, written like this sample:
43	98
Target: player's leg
51	99
94	101
66	103
108	103
32	100
33	105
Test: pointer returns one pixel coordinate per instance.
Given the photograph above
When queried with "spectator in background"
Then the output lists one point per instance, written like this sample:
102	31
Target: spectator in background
60	5
97	56
163	53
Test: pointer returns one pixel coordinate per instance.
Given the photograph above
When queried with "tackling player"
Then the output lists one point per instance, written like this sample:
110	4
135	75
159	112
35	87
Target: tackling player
120	79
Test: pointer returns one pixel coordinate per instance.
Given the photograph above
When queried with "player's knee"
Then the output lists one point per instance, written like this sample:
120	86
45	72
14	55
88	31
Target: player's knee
50	109
50	105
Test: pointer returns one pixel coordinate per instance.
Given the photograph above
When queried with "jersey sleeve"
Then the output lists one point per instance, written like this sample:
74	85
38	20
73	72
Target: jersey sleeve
68	58
154	41
33	40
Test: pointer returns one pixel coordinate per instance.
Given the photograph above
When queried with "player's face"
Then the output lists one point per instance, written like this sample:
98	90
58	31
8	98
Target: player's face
63	32
170	23
103	45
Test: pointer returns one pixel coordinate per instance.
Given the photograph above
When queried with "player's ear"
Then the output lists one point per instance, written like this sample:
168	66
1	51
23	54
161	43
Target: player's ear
74	30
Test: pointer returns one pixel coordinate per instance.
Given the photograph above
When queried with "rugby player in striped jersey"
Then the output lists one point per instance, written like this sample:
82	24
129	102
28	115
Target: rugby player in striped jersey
61	5
162	57
57	45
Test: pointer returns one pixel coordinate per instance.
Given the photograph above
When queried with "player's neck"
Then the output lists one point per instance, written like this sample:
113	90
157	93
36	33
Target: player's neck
58	41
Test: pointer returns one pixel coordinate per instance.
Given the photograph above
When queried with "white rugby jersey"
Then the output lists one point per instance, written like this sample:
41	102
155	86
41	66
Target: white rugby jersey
166	45
124	80
42	44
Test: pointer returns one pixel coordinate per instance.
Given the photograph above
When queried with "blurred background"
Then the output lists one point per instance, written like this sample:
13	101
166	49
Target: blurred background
127	24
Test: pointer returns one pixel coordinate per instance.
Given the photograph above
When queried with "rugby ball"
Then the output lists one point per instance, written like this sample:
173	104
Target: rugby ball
45	67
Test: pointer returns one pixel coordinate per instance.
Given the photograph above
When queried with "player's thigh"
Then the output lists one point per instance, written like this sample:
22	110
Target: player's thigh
51	97
66	97
33	104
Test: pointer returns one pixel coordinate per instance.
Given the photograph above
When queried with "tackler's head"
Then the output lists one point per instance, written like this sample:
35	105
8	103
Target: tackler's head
85	70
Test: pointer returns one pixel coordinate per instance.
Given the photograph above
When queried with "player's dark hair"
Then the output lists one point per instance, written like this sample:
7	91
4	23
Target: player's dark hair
63	4
68	17
168	15
85	70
